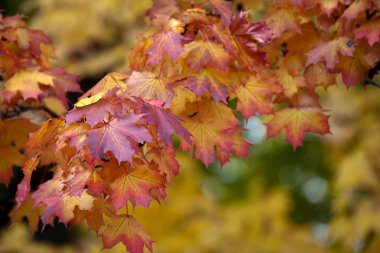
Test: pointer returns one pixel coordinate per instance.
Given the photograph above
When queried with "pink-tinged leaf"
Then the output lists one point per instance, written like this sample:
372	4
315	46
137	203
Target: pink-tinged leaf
112	81
23	188
297	122
201	53
243	38
354	9
329	52
167	124
224	9
27	82
108	82
240	145
249	34
95	184
166	159
162	7
224	150
135	185
211	80
370	31
96	112
36	38
125	229
46	135
77	182
118	136
58	203
63	83
168	41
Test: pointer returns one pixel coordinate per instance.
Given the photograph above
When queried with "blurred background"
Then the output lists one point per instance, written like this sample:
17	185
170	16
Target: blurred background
324	197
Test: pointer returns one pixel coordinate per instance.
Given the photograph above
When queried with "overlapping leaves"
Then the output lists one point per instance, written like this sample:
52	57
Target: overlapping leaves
115	146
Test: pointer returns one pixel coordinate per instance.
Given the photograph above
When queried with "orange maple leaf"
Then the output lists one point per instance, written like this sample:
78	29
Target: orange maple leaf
297	122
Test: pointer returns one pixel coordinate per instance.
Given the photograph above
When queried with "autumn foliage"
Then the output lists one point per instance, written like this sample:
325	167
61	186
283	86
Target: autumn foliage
195	76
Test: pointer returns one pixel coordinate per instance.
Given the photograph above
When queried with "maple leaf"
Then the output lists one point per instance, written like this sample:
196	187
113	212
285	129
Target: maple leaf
95	216
353	69
182	98
316	75
135	185
63	205
36	39
45	136
165	41
167	124
23	188
242	38
224	8
96	112
27	83
149	86
211	80
105	85
212	126
291	84
77	182
283	19
240	145
63	82
166	159
352	12
200	53
125	229
118	136
256	96
57	201
72	136
95	184
296	122
249	34
328	52
205	136
370	31
162	7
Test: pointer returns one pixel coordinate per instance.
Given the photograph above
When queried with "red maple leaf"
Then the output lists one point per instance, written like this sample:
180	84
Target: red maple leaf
135	185
119	136
224	8
96	112
165	41
329	52
296	122
167	124
125	229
